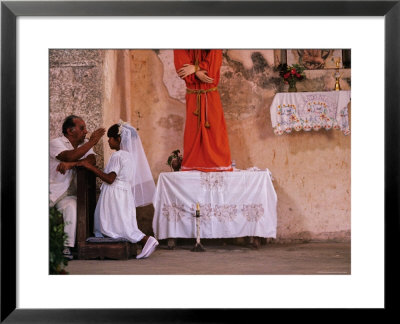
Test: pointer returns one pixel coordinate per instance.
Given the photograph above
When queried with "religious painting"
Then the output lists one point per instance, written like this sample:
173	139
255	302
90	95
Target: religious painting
315	59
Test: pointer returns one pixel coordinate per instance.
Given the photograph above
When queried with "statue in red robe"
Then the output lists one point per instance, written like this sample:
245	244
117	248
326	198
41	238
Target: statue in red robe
205	144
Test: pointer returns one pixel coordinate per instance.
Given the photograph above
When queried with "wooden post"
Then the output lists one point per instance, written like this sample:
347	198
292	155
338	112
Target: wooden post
86	203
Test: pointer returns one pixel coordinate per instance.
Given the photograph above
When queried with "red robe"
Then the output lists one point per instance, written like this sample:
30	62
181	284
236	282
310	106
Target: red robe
205	142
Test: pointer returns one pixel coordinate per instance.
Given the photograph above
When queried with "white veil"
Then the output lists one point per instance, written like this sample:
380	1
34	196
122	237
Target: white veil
143	186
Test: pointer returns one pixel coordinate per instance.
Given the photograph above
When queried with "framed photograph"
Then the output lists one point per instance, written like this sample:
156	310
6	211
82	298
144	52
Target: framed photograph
158	24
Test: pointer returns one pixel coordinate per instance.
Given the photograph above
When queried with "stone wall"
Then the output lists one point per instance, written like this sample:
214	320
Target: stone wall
311	169
76	87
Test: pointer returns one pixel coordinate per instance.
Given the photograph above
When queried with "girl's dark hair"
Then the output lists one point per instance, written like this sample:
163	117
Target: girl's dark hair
113	131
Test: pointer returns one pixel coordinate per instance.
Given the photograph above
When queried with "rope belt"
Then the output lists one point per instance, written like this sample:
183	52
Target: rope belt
197	112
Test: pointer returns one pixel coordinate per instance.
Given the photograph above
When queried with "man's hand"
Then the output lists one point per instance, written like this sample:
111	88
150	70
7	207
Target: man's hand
65	166
186	70
96	135
83	163
91	159
203	77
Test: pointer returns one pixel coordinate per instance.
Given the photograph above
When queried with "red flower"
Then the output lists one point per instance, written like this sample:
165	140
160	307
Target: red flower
298	75
293	71
286	75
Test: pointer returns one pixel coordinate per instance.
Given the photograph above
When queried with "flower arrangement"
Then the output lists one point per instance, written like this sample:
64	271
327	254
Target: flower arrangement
175	160
291	74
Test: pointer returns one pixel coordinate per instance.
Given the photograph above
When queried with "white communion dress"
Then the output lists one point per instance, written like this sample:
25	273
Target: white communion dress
115	214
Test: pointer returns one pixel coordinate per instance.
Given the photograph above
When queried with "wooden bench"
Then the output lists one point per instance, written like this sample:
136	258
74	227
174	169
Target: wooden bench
89	247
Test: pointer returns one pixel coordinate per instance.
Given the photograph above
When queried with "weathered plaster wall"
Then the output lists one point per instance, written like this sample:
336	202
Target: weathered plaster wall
311	170
134	92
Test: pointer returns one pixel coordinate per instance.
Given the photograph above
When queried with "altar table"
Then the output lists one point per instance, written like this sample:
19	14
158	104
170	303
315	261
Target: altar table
232	204
310	111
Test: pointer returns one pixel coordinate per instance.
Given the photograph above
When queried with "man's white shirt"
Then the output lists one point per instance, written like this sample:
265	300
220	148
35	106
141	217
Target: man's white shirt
59	183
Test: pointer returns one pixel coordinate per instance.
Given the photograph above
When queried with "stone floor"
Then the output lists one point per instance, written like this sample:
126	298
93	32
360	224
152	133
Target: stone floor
311	258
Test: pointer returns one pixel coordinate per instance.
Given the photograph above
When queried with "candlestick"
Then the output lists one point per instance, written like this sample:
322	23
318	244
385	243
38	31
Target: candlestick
198	246
197	223
337	76
198	229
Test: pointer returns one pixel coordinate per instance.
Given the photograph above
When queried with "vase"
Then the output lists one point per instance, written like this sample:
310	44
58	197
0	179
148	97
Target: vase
292	87
176	164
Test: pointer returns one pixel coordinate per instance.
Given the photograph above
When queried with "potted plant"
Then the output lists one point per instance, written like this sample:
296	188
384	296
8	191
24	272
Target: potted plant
175	160
291	74
57	238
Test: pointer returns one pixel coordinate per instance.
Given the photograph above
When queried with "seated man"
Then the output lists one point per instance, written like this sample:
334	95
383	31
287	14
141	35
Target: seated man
64	151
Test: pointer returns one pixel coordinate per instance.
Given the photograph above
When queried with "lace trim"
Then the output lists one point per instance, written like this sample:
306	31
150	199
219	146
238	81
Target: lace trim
316	112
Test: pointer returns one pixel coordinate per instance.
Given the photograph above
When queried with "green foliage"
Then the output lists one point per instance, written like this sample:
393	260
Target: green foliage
57	238
291	73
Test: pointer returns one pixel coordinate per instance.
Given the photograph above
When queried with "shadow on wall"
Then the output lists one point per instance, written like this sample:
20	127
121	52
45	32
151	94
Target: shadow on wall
321	140
263	121
290	220
310	219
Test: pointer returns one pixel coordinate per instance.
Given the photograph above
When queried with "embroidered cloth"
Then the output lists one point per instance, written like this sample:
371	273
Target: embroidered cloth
232	204
310	111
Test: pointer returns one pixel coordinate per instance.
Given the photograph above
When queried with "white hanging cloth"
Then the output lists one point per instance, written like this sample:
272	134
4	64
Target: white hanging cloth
143	186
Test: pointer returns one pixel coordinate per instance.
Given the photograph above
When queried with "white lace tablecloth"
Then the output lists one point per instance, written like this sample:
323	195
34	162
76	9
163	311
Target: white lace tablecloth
310	111
232	204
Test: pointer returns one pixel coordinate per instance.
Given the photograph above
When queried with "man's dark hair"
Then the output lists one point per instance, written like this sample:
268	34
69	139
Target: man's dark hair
69	123
113	131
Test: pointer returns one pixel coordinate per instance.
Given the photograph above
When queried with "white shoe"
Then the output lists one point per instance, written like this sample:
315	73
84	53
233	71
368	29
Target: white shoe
151	250
148	248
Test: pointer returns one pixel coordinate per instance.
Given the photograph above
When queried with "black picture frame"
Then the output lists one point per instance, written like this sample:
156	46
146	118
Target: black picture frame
10	10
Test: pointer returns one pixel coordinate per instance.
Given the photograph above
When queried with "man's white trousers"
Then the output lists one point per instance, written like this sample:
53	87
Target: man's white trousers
67	206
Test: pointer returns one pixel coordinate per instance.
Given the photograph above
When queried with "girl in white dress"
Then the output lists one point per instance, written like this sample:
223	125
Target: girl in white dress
127	184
